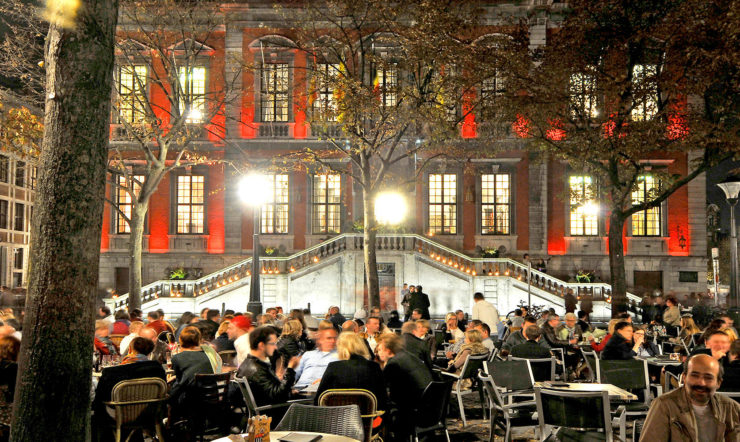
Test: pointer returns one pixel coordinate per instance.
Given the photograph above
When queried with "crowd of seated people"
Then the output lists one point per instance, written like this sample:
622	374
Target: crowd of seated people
295	355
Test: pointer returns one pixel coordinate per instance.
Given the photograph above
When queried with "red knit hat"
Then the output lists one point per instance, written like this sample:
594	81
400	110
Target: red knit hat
242	322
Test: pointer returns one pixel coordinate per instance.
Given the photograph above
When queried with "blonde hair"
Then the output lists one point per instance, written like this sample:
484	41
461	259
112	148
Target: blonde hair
450	316
350	343
292	328
325	325
473	335
688	325
135	327
222	328
612	324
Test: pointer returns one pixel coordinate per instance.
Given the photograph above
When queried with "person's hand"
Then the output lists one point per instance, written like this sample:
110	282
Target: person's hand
591	338
448	355
294	361
639	339
574	341
718	354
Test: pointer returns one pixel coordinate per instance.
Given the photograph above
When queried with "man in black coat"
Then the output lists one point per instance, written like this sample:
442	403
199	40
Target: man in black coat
414	339
419	300
406	378
532	348
266	387
135	366
336	318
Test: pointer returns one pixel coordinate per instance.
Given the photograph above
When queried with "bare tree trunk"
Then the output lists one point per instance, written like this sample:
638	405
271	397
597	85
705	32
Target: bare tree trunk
616	264
52	399
371	263
135	246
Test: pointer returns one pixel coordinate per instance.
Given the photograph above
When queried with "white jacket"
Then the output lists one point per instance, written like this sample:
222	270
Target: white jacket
485	312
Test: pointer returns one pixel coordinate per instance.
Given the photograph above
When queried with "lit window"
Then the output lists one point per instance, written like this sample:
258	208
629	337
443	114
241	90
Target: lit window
274	96
584	211
193	98
3	214
495	203
324	104
20	217
190	204
492	86
327	197
20	173
275	212
4	168
132	97
645	90
646	222
443	203
582	91
125	202
386	84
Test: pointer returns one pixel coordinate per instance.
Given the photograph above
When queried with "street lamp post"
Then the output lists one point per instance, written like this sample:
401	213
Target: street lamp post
253	190
731	187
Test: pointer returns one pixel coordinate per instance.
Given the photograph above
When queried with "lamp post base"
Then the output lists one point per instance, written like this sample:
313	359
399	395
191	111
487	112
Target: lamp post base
255	308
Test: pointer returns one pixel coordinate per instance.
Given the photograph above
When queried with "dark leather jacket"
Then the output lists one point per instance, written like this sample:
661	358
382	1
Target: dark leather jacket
552	337
265	385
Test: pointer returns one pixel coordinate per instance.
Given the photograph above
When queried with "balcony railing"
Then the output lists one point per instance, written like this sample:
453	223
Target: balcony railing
238	274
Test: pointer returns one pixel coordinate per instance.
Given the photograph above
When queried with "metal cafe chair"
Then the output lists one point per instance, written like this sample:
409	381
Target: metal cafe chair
341	420
364	399
469	371
564	410
503	415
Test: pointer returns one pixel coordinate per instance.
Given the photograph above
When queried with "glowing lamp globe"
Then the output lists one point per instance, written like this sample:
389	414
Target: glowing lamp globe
390	208
254	189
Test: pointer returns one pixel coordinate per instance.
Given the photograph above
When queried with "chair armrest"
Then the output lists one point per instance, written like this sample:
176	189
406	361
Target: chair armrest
620	421
452	375
143	401
521	404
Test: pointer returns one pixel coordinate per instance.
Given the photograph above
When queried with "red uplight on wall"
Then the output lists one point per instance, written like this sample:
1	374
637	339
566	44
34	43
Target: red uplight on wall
521	126
676	129
556	131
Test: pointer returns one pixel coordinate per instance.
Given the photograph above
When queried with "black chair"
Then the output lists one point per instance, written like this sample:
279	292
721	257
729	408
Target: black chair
565	410
515	377
214	414
364	399
543	369
503	415
431	414
631	375
590	358
469	371
342	420
228	357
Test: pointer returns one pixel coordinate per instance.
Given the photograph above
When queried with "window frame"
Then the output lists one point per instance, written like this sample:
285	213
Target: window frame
336	207
583	100
453	230
388	91
22	217
4	169
5	214
176	204
263	95
644	213
274	204
118	219
193	97
482	205
571	210
118	118
641	110
20	166
324	104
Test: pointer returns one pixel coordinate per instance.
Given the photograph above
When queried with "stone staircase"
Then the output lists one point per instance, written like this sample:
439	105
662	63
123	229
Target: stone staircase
331	269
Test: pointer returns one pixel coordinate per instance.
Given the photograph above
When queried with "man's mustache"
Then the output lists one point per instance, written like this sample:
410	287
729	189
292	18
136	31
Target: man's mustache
702	389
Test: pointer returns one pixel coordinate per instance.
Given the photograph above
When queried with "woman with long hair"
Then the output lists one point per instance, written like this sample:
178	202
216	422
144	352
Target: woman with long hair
354	369
473	346
688	329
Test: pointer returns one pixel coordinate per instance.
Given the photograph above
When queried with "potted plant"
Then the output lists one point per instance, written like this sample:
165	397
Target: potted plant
178	273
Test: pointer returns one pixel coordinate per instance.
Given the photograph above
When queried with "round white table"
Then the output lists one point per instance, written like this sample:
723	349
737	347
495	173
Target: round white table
276	435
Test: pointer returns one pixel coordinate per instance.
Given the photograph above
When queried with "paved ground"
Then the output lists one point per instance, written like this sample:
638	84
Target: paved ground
477	429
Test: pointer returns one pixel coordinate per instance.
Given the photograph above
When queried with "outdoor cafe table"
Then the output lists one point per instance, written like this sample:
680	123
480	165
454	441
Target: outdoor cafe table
276	435
614	391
